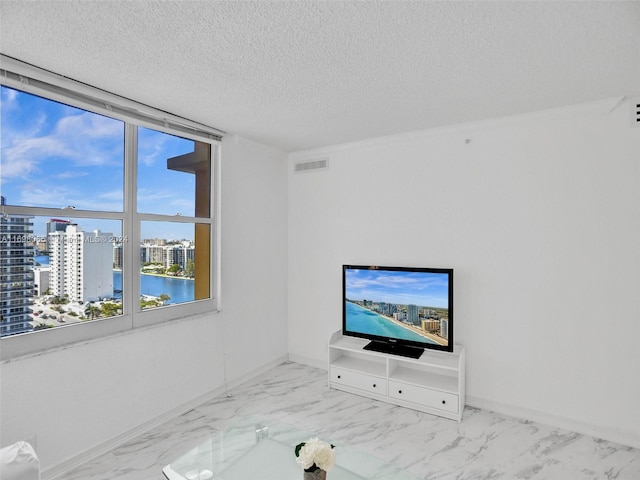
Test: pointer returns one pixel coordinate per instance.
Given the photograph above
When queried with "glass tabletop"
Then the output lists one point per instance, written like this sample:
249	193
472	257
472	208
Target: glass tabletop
258	448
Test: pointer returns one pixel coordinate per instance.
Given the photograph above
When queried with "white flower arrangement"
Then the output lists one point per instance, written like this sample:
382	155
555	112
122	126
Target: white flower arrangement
315	454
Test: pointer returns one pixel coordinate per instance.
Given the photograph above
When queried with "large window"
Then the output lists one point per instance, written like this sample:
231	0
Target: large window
108	218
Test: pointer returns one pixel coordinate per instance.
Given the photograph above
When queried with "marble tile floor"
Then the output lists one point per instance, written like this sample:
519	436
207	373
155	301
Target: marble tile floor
484	446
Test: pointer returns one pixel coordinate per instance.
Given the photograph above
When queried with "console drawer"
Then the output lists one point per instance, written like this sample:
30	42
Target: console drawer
361	381
424	396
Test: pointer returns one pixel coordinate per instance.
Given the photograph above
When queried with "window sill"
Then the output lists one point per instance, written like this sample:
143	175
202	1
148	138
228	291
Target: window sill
35	344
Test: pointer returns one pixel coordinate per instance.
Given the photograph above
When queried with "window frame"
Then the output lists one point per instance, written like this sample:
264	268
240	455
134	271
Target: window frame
32	80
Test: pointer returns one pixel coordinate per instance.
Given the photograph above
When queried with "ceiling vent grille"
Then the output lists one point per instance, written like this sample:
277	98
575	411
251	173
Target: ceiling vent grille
635	112
314	165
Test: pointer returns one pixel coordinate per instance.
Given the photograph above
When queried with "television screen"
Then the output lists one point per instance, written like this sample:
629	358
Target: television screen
401	310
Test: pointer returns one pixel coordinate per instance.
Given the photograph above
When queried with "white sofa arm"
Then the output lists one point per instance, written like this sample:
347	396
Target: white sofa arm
19	462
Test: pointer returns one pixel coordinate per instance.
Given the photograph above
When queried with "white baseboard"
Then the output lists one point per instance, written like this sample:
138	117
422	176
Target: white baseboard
58	471
628	438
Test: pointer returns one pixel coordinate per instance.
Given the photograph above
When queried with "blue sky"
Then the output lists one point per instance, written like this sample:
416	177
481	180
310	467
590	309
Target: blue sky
417	288
54	155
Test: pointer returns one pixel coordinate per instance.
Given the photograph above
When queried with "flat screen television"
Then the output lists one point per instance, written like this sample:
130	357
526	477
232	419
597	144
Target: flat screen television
401	310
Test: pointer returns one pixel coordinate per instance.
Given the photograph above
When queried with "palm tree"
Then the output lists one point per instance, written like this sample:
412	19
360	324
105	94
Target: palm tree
92	311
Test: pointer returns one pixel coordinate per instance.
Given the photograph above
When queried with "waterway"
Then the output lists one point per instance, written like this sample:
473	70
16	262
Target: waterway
180	290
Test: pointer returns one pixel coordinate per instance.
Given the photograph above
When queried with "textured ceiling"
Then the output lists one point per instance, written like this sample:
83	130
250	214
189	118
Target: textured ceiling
299	75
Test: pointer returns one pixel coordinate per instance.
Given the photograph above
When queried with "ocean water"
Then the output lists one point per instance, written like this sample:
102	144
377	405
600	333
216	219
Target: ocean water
365	321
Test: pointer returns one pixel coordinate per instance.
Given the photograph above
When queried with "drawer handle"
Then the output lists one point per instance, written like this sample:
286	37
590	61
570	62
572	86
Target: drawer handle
339	376
444	401
399	391
374	385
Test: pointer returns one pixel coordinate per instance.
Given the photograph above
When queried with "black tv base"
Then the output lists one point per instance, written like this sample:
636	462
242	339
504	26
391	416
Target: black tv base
394	349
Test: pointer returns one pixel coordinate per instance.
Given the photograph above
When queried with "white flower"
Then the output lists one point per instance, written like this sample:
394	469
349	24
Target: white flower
316	452
325	459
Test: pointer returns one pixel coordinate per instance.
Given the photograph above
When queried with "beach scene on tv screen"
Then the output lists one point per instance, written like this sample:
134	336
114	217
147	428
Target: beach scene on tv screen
409	305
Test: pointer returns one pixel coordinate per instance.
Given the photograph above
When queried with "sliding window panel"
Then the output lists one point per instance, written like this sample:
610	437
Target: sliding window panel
174	203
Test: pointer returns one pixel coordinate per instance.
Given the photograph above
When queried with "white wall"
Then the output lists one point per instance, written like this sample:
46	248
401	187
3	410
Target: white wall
539	215
254	268
78	398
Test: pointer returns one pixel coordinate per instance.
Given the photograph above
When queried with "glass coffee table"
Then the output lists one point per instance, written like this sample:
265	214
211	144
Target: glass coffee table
258	448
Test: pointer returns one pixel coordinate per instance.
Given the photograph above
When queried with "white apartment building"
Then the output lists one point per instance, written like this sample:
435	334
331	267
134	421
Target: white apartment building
41	279
167	255
81	264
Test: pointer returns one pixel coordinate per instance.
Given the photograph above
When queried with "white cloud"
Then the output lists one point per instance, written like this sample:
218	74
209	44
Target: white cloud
146	195
71	174
9	99
90	125
116	195
151	146
22	157
76	140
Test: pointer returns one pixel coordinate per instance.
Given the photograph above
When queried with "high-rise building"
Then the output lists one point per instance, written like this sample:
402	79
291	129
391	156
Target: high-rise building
178	254
16	275
81	264
412	314
444	327
55	225
174	255
156	254
118	256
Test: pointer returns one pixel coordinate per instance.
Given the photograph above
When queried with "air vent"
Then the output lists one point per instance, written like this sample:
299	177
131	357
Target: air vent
635	112
311	165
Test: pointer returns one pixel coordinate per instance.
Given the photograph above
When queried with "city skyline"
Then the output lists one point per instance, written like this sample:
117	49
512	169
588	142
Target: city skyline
73	257
41	242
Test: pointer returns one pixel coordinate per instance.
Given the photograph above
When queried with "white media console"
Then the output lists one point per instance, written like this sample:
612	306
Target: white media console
433	383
